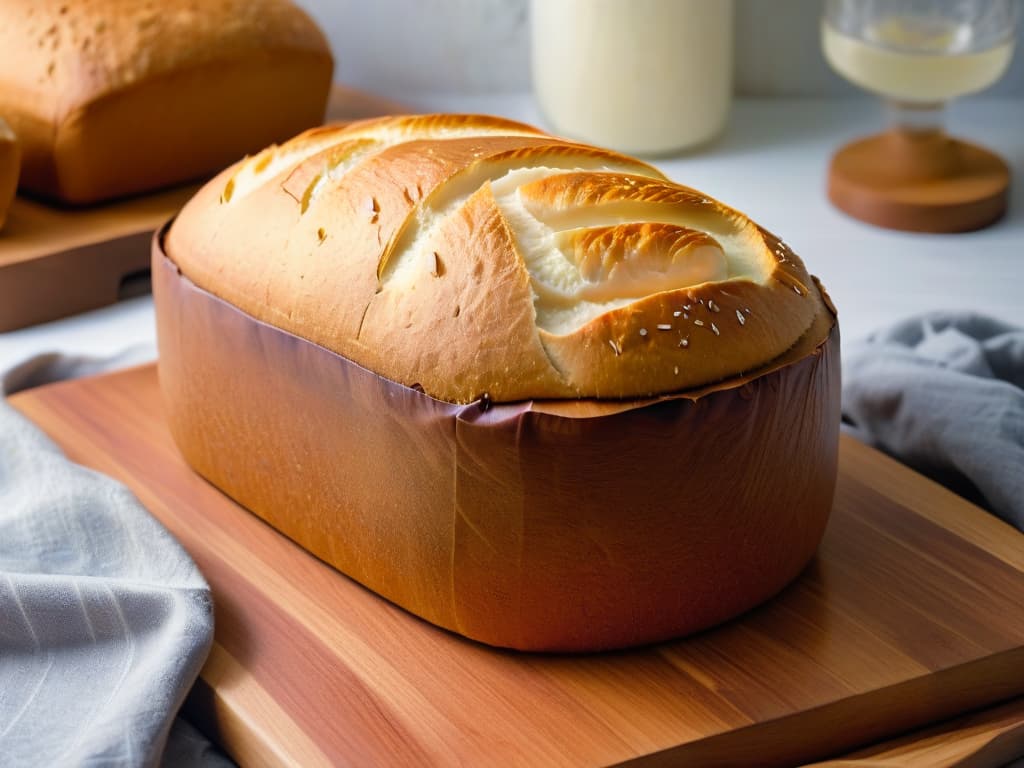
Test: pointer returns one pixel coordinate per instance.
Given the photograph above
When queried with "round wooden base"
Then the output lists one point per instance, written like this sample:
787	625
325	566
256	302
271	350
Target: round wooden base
919	182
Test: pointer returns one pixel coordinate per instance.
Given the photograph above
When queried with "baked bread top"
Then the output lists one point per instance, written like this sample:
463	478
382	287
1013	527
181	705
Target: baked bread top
475	257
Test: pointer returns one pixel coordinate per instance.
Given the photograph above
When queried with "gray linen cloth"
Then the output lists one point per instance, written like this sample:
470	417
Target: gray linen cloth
104	619
944	393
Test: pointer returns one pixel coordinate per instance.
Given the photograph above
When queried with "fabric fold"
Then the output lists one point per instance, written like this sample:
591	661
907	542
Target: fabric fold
104	619
944	393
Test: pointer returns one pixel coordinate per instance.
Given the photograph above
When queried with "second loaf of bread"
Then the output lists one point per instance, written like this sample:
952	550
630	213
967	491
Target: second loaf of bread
110	98
475	257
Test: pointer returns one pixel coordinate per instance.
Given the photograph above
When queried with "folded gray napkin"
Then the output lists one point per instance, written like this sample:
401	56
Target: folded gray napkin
944	393
104	619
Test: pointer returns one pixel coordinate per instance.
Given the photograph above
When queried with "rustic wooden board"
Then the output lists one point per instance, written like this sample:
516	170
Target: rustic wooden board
910	613
55	261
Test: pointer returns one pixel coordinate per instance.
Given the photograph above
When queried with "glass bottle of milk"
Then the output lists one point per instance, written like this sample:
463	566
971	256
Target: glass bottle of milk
648	77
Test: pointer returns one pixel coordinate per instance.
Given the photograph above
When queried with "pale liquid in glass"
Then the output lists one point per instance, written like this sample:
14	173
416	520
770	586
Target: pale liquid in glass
915	60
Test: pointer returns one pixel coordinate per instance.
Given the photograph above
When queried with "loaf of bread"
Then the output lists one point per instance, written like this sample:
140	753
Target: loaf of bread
530	390
111	98
10	166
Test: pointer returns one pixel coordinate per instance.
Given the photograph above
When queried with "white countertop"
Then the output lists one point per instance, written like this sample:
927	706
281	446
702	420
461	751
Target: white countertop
771	164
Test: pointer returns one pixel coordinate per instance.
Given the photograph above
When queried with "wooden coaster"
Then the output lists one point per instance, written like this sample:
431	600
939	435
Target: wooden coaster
919	182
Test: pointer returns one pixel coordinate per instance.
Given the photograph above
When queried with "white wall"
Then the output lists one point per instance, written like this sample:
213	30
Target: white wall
397	47
401	46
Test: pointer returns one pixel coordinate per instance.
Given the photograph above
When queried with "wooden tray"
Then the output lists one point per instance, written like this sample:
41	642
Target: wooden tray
56	262
910	613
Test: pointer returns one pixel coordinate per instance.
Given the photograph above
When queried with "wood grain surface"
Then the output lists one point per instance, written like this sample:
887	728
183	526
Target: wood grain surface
57	261
911	613
987	739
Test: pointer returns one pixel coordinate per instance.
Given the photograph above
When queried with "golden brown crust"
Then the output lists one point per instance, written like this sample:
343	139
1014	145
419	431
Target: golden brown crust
431	349
472	256
635	256
108	97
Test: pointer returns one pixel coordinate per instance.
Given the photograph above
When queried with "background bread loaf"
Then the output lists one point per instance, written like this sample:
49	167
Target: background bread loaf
474	258
112	97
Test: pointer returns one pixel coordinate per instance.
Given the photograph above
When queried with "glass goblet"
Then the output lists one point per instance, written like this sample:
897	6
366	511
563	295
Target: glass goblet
918	55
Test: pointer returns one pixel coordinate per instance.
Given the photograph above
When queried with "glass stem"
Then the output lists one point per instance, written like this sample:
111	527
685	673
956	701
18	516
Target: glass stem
912	117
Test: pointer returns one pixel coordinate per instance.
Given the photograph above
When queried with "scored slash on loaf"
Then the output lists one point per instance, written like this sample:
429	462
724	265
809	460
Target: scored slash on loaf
472	255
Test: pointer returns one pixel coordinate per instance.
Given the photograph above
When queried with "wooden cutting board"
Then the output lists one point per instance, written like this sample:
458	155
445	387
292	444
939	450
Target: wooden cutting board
911	612
56	262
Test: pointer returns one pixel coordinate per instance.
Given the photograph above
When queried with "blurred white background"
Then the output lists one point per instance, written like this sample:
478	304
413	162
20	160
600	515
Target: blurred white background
400	47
